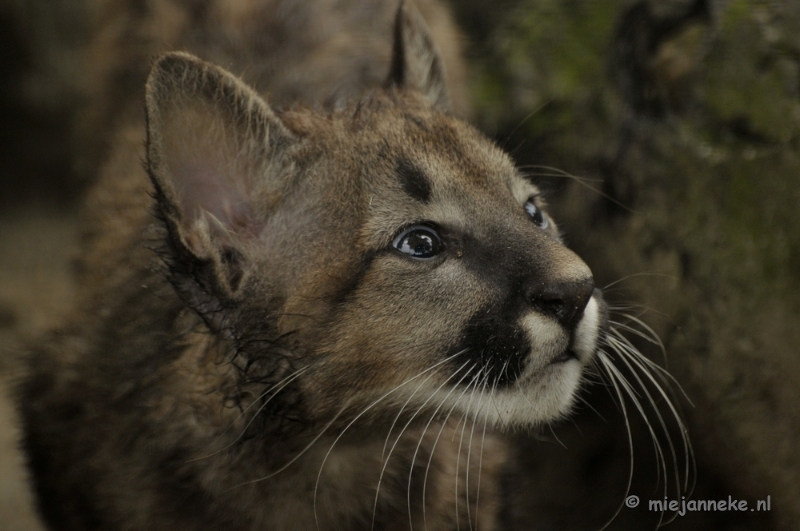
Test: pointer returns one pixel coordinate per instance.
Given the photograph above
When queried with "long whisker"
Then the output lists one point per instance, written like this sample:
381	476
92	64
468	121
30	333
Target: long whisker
636	275
583	183
612	372
649	335
461	440
303	451
399	414
556	172
637	359
632	358
522	122
399	436
355	419
471	438
480	469
648	366
436	442
424	431
283	383
389	455
386	444
653	436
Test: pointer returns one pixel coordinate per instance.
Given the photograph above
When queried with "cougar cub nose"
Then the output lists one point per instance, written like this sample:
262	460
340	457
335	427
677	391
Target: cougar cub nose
565	301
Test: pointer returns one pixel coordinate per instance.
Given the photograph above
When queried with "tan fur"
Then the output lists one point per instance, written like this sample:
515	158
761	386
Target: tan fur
253	349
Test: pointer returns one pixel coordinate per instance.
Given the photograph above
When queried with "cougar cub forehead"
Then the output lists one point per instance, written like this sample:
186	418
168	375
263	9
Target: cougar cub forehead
365	173
395	162
437	169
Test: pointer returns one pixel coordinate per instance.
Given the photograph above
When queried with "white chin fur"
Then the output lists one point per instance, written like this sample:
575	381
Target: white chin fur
528	403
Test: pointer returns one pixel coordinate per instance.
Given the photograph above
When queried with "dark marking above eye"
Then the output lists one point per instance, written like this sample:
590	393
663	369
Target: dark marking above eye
415	183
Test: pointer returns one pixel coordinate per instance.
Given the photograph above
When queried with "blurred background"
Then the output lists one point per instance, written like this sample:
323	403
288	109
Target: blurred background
666	134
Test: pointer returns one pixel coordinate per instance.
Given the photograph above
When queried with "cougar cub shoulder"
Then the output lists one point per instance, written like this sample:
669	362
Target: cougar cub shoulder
304	319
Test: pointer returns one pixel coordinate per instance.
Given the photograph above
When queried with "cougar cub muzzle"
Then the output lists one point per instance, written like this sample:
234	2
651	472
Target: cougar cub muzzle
540	291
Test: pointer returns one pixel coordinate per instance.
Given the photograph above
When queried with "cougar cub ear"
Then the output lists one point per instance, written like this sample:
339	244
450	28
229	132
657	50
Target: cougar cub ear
214	147
416	63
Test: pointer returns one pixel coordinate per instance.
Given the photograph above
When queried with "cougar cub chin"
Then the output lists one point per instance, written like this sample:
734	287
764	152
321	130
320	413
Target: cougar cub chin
305	319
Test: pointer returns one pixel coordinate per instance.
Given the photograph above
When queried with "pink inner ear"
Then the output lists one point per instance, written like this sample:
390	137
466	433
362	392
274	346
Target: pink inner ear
203	186
214	160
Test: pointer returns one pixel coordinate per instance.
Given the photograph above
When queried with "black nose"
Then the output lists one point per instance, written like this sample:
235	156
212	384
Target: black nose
564	301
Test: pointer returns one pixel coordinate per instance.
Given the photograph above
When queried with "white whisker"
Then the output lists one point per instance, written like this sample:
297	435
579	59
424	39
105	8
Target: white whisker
386	443
397	440
285	381
461	439
662	373
480	470
611	371
436	442
636	360
303	451
662	381
424	431
469	447
636	275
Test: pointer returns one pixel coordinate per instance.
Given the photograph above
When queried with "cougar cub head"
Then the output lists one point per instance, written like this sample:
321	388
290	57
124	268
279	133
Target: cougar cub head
382	257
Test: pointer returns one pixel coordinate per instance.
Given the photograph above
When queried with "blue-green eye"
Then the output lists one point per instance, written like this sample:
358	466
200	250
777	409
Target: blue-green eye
536	214
419	242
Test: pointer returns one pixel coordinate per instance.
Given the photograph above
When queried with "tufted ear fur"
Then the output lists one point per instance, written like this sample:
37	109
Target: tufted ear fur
214	154
416	63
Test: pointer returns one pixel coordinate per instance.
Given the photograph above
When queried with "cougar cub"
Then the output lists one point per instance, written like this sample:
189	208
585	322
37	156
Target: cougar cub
304	319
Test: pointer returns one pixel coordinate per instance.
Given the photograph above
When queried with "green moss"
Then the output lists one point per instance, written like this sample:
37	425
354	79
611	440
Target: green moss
546	52
734	208
741	92
754	83
736	11
573	43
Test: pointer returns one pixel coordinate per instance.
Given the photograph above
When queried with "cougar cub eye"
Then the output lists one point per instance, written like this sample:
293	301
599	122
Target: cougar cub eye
536	214
419	242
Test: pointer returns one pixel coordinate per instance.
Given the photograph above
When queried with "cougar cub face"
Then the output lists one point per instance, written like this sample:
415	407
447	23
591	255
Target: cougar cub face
431	273
393	251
